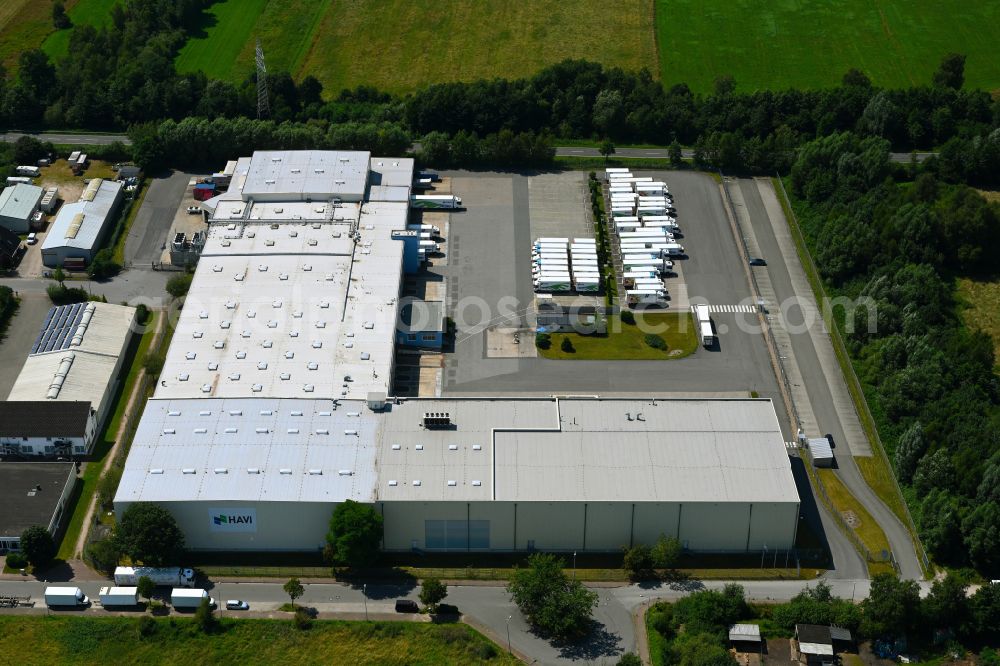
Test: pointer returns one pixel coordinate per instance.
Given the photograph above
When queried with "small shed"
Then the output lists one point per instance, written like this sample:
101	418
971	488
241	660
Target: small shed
745	637
842	639
820	451
813	643
128	171
17	205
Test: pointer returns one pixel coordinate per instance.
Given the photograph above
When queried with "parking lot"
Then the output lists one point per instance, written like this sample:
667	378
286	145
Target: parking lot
489	285
19	338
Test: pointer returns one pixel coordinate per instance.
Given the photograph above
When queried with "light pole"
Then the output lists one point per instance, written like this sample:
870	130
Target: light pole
509	618
364	593
574	565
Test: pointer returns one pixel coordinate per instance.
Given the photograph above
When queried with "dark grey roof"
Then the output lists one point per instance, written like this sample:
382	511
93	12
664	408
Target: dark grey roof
44	418
128	172
813	633
840	634
429	317
19	509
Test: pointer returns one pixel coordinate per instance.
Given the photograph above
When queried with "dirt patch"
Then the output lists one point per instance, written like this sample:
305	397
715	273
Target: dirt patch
851	519
58	174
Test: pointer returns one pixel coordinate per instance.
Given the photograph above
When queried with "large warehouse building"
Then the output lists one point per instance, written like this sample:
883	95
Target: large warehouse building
272	405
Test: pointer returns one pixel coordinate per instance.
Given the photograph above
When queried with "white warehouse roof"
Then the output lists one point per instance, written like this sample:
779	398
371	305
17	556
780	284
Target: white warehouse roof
20	201
298	175
531	449
80	224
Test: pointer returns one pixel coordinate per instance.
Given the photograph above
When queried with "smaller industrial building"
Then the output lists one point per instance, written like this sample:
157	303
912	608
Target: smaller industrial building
80	227
40	428
17	205
77	357
32	493
421	324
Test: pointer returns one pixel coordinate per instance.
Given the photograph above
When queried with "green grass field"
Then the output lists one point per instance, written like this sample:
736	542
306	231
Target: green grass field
82	12
398	46
798	43
24	24
626	342
981	301
116	640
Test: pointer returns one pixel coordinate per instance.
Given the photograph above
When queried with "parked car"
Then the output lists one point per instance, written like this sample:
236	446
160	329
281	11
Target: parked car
757	261
406	606
193	210
32	238
237	604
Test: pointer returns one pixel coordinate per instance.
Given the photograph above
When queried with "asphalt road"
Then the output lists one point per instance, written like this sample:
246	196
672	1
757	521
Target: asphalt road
561	151
817	383
663	153
76	139
488	605
20	336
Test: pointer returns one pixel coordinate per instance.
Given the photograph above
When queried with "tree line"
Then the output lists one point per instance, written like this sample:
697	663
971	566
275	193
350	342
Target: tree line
122	75
896	245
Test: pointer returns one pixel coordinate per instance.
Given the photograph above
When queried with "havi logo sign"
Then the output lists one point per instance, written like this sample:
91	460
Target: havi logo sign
233	520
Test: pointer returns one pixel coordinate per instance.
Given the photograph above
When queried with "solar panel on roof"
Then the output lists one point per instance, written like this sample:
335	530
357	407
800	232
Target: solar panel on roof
57	331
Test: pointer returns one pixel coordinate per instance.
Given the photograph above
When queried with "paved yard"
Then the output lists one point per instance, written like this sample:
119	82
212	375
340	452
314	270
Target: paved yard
21	334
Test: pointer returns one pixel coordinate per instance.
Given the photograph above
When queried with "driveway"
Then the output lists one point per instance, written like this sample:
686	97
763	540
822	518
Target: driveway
148	234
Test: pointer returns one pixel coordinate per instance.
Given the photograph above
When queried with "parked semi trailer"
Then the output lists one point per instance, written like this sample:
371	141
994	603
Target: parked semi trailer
435	201
170	576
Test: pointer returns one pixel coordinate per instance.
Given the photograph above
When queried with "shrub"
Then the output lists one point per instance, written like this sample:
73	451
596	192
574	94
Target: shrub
178	285
543	340
638	562
60	294
302	618
17	561
567	346
141	313
38	546
630	659
204	617
655	341
147	626
484	651
628	317
153	363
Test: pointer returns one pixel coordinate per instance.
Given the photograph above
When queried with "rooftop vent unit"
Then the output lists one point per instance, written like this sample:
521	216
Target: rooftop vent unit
437	420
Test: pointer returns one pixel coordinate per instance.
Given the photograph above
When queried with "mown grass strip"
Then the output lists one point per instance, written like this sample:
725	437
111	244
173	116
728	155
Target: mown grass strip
92	471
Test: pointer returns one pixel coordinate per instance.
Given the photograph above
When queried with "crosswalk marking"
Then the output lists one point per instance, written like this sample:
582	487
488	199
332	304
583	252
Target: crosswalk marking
732	308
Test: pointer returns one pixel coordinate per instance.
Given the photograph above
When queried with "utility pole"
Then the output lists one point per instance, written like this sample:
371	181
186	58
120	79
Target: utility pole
263	108
509	618
364	592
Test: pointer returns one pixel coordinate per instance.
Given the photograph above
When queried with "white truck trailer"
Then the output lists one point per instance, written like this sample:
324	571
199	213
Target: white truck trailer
552	285
588	285
435	201
65	597
424	228
706	333
168	577
119	596
189	599
30	171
